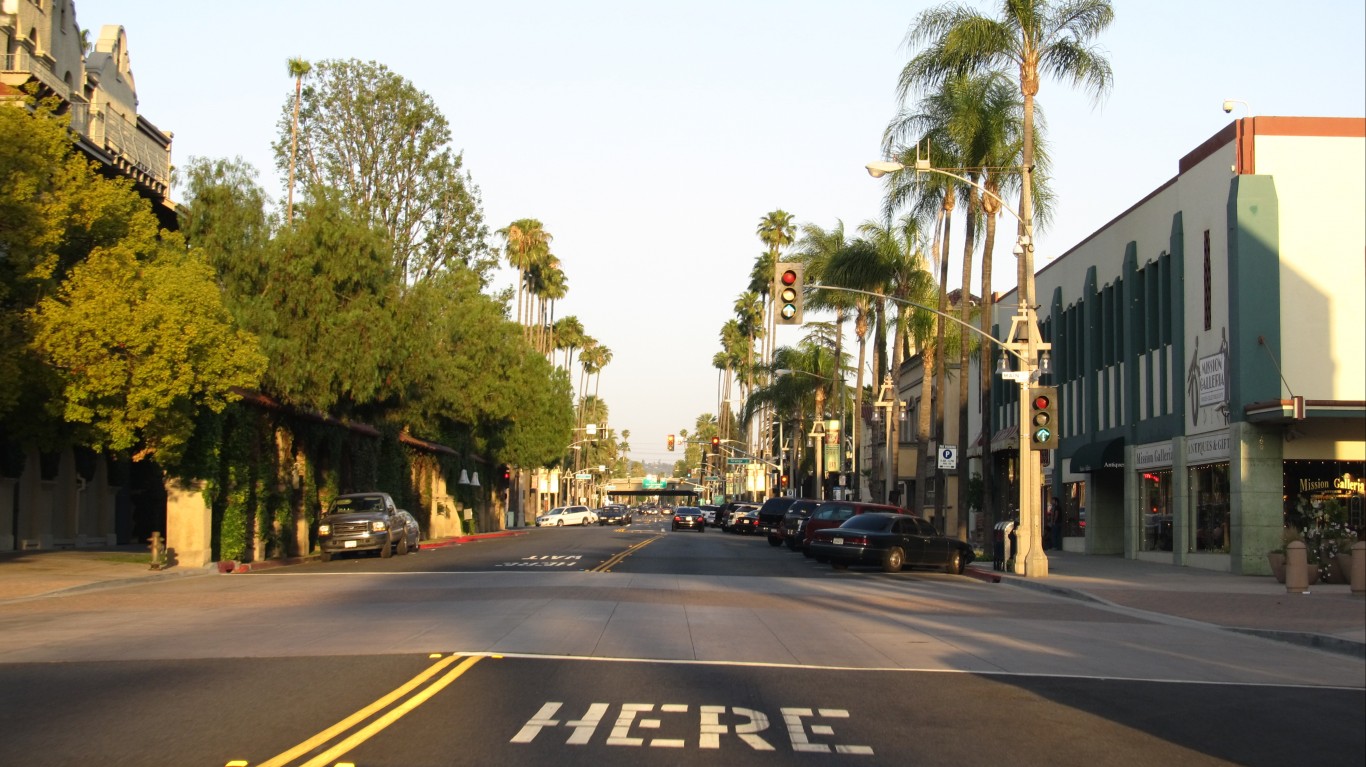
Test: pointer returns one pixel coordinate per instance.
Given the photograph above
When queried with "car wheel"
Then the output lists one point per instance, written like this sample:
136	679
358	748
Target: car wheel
774	540
585	521
893	561
839	565
560	522
806	552
326	556
403	546
955	564
702	529
386	551
792	543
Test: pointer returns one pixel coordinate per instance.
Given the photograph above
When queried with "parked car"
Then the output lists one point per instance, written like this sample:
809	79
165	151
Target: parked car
731	510
709	513
891	541
567	515
747	523
792	530
835	513
366	522
614	515
771	516
689	517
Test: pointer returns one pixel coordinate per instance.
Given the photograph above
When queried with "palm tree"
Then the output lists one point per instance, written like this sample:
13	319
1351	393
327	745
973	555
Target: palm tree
298	69
888	260
816	248
568	337
525	243
1035	37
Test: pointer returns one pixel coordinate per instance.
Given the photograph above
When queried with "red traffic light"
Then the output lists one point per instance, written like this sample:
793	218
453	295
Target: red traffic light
671	442
789	277
1041	401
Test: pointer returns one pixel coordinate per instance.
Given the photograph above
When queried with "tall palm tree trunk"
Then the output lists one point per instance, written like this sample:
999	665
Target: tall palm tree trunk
964	314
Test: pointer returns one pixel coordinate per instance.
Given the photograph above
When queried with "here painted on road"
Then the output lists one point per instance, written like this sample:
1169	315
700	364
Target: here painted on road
545	560
710	730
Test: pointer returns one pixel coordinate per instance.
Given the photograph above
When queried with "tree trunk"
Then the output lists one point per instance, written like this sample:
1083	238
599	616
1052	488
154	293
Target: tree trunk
964	307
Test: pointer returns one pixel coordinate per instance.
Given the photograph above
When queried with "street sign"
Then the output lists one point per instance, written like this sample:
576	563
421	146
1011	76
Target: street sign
583	476
948	457
736	461
653	484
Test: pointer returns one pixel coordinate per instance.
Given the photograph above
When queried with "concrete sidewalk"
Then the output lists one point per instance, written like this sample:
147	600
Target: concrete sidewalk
53	572
1329	617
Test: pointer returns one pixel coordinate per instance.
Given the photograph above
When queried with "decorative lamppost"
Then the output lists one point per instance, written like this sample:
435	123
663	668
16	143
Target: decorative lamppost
888	406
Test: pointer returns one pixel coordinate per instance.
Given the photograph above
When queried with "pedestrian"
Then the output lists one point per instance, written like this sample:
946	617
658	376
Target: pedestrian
1053	527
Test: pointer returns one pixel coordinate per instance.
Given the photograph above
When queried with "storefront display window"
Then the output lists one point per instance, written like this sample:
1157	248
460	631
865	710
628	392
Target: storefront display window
1156	502
1209	497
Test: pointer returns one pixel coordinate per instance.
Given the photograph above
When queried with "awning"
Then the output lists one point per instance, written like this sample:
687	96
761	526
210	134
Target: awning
1095	456
1006	439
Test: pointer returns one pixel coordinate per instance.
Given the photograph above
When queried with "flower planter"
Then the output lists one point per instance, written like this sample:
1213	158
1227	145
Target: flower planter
1277	561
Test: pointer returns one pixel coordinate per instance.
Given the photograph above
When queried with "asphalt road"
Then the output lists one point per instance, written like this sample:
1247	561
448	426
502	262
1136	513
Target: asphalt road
615	646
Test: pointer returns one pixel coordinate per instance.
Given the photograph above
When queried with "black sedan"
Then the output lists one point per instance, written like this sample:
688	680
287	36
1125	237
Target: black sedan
891	541
689	517
614	515
746	523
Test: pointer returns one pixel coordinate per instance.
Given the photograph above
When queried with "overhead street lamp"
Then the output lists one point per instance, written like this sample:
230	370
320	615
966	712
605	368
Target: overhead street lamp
1026	344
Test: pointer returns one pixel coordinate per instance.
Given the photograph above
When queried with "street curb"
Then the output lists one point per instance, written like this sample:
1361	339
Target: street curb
232	567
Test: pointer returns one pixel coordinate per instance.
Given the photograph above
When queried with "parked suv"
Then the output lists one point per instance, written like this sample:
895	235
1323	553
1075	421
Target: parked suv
792	530
366	522
834	513
771	516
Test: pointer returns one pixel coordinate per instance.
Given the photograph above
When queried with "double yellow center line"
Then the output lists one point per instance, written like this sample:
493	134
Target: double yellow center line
615	559
375	726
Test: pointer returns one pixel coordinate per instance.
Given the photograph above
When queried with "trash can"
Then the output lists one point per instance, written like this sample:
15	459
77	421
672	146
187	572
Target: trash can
1002	539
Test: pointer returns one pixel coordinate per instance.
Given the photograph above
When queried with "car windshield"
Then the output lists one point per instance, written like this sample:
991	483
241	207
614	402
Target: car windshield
869	522
353	505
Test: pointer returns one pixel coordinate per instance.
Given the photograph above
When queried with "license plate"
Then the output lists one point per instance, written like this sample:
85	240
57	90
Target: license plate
837	541
349	544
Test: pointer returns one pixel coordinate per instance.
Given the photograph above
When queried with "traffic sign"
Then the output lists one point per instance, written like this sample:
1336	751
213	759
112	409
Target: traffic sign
737	460
948	457
583	476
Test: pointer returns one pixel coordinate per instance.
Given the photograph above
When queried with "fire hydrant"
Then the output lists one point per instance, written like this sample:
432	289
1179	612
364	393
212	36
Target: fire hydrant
158	551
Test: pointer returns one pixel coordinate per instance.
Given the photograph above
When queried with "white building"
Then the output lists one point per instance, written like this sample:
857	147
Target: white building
1208	348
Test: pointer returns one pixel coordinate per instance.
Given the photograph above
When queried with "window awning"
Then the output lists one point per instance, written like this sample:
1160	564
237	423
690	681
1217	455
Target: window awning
1006	439
1095	456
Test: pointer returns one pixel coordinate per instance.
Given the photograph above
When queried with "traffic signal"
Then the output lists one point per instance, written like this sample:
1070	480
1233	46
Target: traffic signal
787	291
715	445
1043	418
671	443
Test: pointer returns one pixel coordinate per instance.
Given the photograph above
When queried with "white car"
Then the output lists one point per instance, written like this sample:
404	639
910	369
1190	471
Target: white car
567	515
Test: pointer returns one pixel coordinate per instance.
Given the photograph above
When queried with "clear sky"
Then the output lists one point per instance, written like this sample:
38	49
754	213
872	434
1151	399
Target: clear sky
651	137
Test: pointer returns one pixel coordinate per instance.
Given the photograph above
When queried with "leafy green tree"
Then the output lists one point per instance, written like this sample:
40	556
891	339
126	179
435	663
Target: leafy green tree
111	334
142	341
383	144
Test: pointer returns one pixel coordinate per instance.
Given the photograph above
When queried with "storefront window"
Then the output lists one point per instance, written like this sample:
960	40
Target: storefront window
1074	509
1155	498
1209	494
